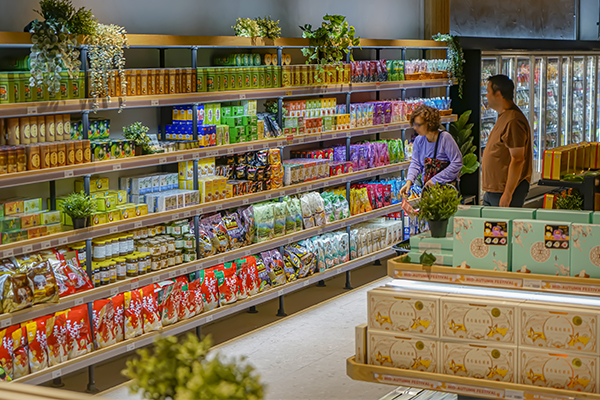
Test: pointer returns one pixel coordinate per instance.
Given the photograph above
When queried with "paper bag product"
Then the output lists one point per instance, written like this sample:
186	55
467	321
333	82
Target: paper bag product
38	344
57	339
79	332
42	277
559	328
209	288
119	323
494	362
558	370
104	323
405	312
132	306
20	353
478	319
393	350
7	349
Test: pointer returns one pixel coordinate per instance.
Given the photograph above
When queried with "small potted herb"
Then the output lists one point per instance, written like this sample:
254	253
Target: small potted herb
438	203
569	200
137	132
80	207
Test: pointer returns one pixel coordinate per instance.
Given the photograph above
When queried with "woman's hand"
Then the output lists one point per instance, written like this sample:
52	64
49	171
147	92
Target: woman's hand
405	191
428	184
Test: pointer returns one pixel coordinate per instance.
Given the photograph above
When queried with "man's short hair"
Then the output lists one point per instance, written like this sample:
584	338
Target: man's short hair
504	85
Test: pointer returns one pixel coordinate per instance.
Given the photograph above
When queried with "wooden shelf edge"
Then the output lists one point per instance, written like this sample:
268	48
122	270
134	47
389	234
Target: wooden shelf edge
453	384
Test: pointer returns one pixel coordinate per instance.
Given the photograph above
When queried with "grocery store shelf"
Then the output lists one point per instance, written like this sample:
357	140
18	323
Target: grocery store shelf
202	319
98	167
476	388
72	236
494	279
166	100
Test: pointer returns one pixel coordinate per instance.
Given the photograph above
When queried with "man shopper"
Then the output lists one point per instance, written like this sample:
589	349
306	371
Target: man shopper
508	157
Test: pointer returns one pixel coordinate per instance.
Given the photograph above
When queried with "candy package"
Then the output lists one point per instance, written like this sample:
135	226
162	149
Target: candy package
79	332
104	323
7	349
133	322
263	276
235	229
253	281
151	320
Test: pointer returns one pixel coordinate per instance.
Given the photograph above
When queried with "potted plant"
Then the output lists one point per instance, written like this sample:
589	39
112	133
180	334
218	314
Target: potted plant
330	43
80	207
137	133
257	27
569	200
180	370
438	203
462	132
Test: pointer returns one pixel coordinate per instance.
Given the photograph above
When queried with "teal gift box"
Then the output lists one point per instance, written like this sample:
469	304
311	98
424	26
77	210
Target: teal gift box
541	247
468	211
482	243
596	218
578	217
585	250
509	213
424	241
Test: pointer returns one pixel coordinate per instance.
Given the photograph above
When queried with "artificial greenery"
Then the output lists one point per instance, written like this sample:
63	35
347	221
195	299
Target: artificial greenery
427	259
329	43
569	200
438	203
180	370
138	133
246	27
462	132
268	28
79	205
457	58
54	40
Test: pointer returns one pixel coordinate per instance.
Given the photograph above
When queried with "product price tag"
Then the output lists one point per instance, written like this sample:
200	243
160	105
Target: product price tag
162	160
79	301
230	150
180	158
46	245
172	274
348	134
250	147
56	374
32	110
8	253
370	173
68	174
299	190
155	279
280	143
62	241
532	284
131	347
137	225
245	201
113	229
174	217
27	249
6	322
288	92
135	284
213	153
242	96
319	231
196	156
220	260
300	140
154	102
513	394
247	253
114	292
187	214
117	167
219	207
290	240
209	318
306	283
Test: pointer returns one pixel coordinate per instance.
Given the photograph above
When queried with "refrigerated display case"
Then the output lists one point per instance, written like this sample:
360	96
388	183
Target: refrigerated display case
557	92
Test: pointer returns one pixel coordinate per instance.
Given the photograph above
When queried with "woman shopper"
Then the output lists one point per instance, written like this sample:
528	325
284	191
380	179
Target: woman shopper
436	155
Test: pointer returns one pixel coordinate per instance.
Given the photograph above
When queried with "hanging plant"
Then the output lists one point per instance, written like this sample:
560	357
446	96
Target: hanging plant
462	132
456	57
330	43
106	53
54	39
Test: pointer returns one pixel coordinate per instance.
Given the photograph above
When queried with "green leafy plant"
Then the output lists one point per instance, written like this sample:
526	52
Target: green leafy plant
438	203
138	133
570	200
329	43
246	27
456	57
79	205
180	370
427	259
462	132
268	28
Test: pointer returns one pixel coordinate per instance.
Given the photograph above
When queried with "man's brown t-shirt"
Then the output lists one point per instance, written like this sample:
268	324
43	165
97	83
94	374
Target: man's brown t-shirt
511	131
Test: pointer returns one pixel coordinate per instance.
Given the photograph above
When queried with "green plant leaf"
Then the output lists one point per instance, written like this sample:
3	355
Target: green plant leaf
438	202
470	164
427	259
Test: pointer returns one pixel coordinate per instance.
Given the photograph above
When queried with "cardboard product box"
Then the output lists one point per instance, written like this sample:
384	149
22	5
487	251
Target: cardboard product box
580	217
10	224
559	370
440	258
482	243
106	203
541	247
468	211
394	350
409	313
585	250
50	217
361	344
476	319
186	170
97	184
54	228
424	241
113	215
508	213
12	237
36	232
558	328
32	205
185	185
596	218
13	206
30	220
494	362
125	184
99	219
141	209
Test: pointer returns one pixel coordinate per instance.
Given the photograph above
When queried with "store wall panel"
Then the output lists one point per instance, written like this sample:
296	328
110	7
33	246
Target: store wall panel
532	19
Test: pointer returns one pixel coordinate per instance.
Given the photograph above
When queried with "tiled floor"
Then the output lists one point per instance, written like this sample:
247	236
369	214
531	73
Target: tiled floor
304	355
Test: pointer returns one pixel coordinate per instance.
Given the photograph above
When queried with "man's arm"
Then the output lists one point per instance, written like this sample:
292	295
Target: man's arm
515	168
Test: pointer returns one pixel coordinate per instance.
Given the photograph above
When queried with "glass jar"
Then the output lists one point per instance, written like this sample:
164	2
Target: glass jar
21	159
178	257
122	246
112	269
142	246
141	264
163	261
108	248
180	243
189	241
136	234
104	273
116	251
81	253
144	233
99	250
152	231
171	259
189	256
96	274
130	245
155	263
171	243
121	268
131	266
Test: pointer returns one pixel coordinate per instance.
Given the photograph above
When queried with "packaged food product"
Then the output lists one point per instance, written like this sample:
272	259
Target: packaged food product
57	338
191	300
290	216
119	324
7	349
42	277
207	248
150	317
264	219
216	224
279	219
253	281
263	276
16	290
20	353
307	215
228	286
79	332
132	306
104	322
241	267
38	348
235	229
209	288
247	215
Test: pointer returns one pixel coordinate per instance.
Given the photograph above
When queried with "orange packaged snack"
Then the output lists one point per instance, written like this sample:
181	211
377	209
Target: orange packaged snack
119	308
20	353
38	348
104	323
252	278
133	314
7	349
79	332
57	338
210	292
150	316
169	293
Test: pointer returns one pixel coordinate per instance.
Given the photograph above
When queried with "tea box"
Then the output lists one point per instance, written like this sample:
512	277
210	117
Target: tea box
391	349
468	211
10	223
585	250
491	362
580	217
50	217
482	243
32	205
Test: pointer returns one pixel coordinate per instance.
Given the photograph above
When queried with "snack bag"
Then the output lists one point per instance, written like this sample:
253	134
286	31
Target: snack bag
104	323
263	276
241	268
298	212
38	347
79	332
264	219
307	213
207	248
41	275
215	225
17	293
290	216
77	273
194	301
235	229
7	349
279	219
20	353
168	306
57	338
292	265
227	281
150	317
133	323
253	281
249	223
119	322
209	288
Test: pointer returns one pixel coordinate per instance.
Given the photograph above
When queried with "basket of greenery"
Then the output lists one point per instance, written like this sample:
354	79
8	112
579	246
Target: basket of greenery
438	203
80	207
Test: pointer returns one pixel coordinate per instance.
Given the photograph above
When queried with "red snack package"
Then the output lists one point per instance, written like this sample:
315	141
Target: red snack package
76	274
227	281
387	195
196	288
38	344
252	278
61	273
209	288
57	339
379	195
20	353
169	293
104	323
241	271
7	349
187	306
119	307
79	332
150	316
132	304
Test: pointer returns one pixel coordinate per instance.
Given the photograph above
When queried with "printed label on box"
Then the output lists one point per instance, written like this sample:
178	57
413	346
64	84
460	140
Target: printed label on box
495	233
557	237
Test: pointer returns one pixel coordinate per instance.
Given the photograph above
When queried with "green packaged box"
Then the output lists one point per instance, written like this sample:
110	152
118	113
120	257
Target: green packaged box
226	112
443	259
482	243
585	250
13	237
32	205
268	77
252	119
3	88
210	80
596	218
64	85
541	247
468	211
509	213
106	203
424	241
1	210
579	217
237	110
201	80
261	78
50	217
10	224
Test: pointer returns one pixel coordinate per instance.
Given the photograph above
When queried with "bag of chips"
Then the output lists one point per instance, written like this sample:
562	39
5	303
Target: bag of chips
151	320
20	353
168	306
253	282
207	248
216	225
57	339
228	285
275	269
209	288
279	219
133	323
79	332
7	349
249	223
264	219
76	273
119	324
263	276
241	267
187	308
235	229
17	293
104	323
38	348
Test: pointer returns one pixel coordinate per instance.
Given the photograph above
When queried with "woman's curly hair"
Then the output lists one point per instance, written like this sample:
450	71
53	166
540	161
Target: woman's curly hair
430	115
